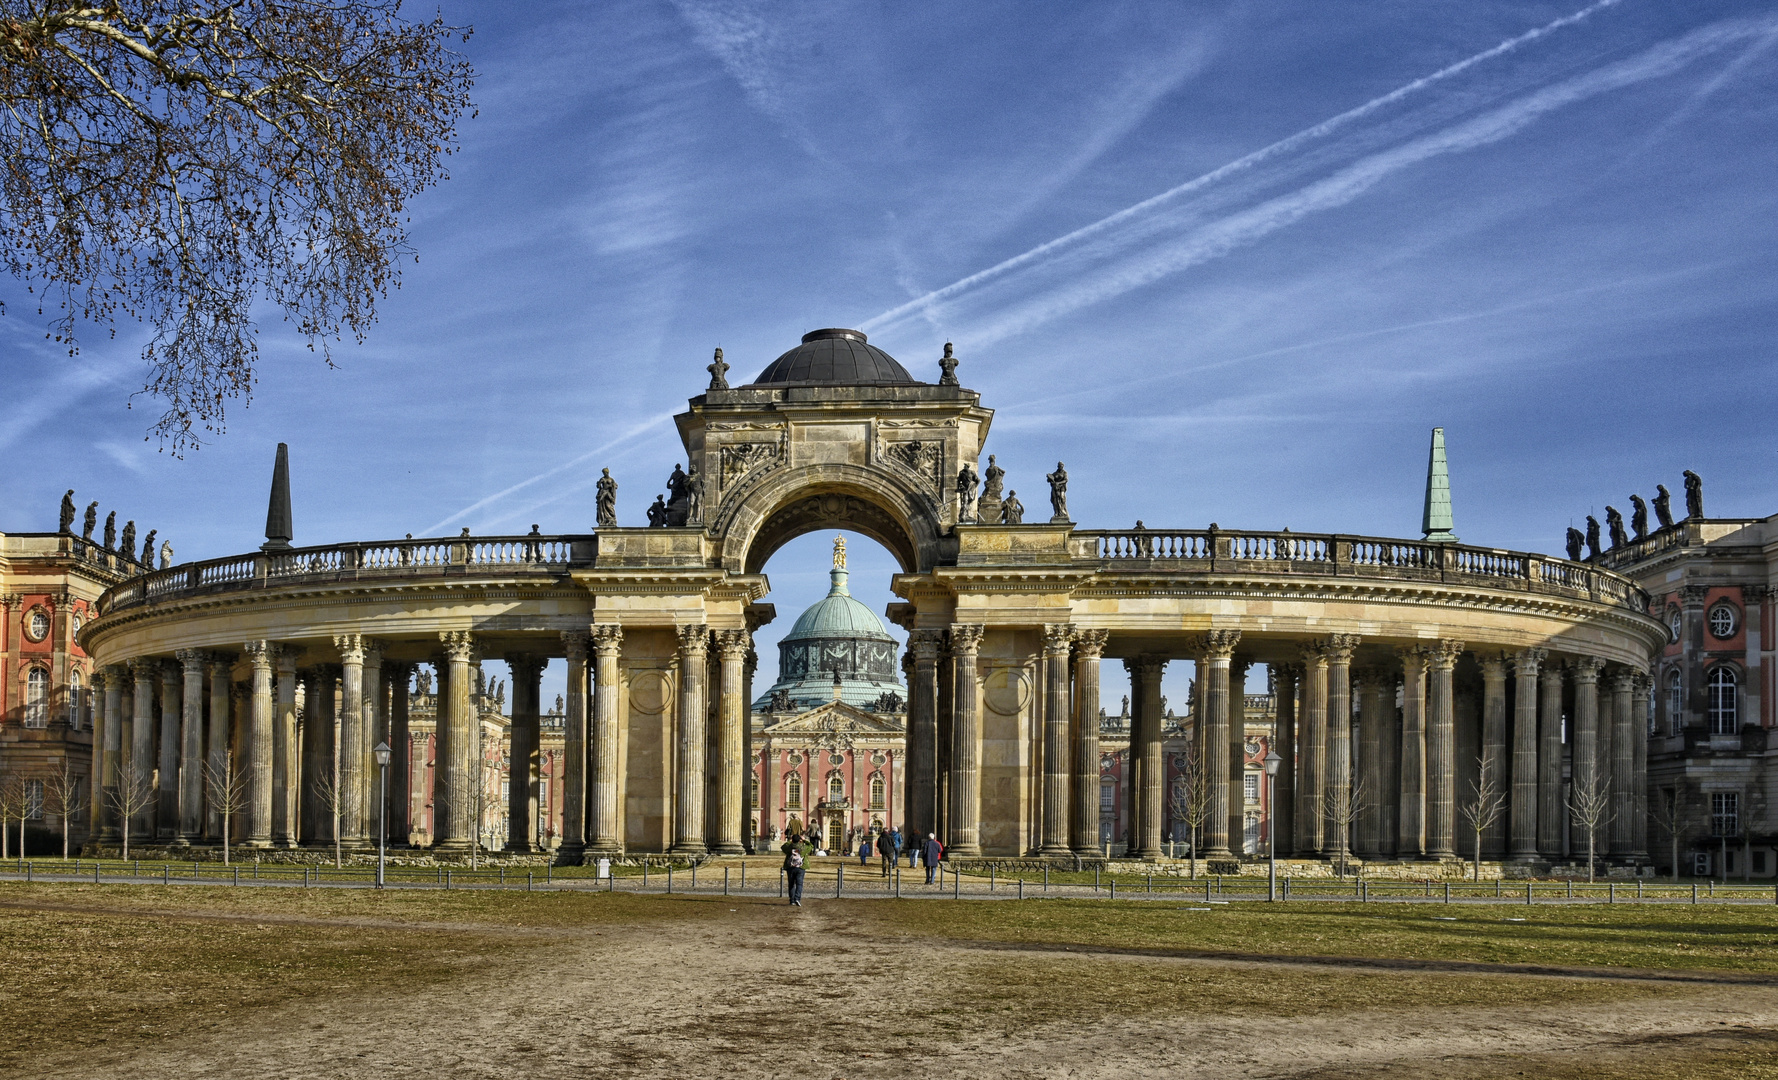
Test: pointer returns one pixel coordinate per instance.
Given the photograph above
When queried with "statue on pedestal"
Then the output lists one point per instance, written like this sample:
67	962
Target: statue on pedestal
993	478
1638	516
718	373
1614	522
1592	537
1575	540
657	514
1694	495
1058	493
67	523
1663	506
92	519
694	498
166	554
148	550
607	499
1012	512
947	364
966	488
111	531
126	546
678	497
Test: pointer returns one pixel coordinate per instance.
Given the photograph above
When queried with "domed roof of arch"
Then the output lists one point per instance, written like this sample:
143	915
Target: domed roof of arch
835	357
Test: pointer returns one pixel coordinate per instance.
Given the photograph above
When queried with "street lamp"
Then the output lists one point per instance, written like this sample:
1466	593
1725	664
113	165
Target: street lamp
1271	762
382	755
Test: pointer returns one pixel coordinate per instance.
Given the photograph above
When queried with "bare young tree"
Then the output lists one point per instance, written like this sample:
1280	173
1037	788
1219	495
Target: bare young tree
1589	800
1486	805
227	792
12	805
133	796
1666	813
65	791
177	161
1341	805
1191	800
331	797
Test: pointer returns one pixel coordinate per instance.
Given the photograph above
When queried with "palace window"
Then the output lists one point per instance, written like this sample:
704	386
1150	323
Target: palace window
1723	621
1250	787
753	792
37	698
1675	623
1720	693
1107	798
1675	702
37	624
76	699
793	793
1725	813
33	800
836	788
876	792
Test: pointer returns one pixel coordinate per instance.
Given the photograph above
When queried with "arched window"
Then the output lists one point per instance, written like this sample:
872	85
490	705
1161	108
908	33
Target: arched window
76	699
836	787
37	698
876	792
1675	703
1720	690
793	792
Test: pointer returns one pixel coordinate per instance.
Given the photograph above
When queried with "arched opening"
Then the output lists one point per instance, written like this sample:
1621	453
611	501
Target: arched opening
893	510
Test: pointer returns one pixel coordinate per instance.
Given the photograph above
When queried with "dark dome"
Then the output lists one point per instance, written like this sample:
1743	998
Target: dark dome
835	358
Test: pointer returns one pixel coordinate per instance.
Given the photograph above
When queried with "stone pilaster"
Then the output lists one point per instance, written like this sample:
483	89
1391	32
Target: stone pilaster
1441	752
1215	648
259	745
1311	789
922	755
606	832
1410	841
1089	646
688	804
352	791
1552	815
732	811
1522	805
966	741
1286	678
1146	771
523	759
574	745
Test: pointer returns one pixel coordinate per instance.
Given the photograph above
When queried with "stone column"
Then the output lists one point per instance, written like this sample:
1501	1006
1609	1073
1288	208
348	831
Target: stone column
750	664
1237	753
574	744
105	816
1216	647
1053	810
321	774
966	742
1639	765
1623	763
285	756
259	745
1494	773
1410	840
376	729
1285	679
606	833
143	669
922	755
1089	645
688	804
219	768
1441	753
454	783
1146	774
172	678
189	729
523	759
1522	805
1372	684
1341	805
1311	789
1552	814
353	833
732	809
399	677
1586	774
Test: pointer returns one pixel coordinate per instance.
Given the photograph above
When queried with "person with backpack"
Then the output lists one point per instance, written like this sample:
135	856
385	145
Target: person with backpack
934	854
796	863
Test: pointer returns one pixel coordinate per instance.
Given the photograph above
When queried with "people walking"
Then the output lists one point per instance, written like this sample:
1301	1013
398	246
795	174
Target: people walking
864	849
796	853
933	854
913	848
888	845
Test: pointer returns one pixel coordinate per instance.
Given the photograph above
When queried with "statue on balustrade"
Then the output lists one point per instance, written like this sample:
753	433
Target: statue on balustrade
1058	493
678	506
1694	495
148	550
1638	516
966	489
1663	506
423	682
947	365
991	504
657	514
694	498
111	531
92	519
1012	512
607	500
1592	537
1614	522
67	523
166	554
1575	540
718	373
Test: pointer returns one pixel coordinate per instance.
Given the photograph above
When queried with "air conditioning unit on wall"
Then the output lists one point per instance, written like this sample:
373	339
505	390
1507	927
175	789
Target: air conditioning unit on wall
1700	864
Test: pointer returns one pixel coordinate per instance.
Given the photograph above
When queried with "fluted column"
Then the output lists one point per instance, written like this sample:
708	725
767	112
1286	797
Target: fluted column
143	669
399	676
1623	764
523	758
1441	753
1054	811
574	745
1522	808
286	761
1342	803
1639	765
1372	738
189	727
749	665
1237	751
1282	812
1311	789
172	678
605	818
1552	815
1216	648
731	719
321	775
109	742
1145	770
1494	772
1089	645
218	768
351	758
455	779
688	804
1410	840
966	742
922	753
1585	765
259	745
376	729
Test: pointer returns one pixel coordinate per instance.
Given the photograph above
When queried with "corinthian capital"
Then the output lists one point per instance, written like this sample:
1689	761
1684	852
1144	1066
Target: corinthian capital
574	643
1444	653
1586	669
966	638
926	644
1338	648
351	648
193	659
1090	644
608	638
1056	638
694	639
1217	644
459	646
1527	663
733	644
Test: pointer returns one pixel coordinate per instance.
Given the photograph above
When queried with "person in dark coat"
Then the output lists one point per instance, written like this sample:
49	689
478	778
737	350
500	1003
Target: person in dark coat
888	845
796	864
864	849
934	854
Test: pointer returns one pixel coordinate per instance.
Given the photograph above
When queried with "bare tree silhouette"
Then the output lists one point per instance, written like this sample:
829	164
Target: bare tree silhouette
1589	800
227	792
133	796
1191	800
12	804
1341	804
332	798
65	791
1666	814
1487	802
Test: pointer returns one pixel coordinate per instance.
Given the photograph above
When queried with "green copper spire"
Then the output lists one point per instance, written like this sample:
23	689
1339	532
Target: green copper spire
1436	521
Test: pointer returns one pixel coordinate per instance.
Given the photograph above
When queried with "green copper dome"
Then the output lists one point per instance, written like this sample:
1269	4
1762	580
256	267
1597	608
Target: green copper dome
836	641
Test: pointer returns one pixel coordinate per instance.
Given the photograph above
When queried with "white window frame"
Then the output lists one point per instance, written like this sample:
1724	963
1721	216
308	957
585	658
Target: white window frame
1730	616
37	697
1722	689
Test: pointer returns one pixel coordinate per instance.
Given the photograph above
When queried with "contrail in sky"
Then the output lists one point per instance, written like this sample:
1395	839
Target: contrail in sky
1242	164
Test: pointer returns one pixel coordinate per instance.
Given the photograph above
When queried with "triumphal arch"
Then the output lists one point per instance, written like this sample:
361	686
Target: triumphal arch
1405	670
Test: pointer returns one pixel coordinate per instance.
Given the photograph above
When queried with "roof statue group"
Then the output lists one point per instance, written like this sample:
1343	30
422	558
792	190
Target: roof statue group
125	546
1614	521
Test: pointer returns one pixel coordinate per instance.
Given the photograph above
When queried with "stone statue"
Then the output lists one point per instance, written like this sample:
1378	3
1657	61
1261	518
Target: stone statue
948	365
718	373
558	705
1126	706
607	498
1694	495
1638	516
1663	506
1058	493
993	480
92	519
1575	540
423	681
148	550
67	523
481	683
1614	522
1012	512
111	531
694	498
657	514
1592	537
966	488
676	484
166	554
678	497
839	553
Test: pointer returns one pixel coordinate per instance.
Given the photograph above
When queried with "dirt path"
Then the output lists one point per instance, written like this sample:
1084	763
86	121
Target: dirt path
815	992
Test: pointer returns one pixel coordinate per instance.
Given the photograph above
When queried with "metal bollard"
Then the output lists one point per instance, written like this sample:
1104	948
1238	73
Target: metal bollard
780	884
669	879
549	872
95	871
956	885
898	879
447	879
1694	892
1570	888
725	881
1114	888
990	877
237	877
1447	892
166	874
1611	892
1206	890
1096	882
527	881
1046	877
1151	881
694	877
1021	888
839	882
1527	892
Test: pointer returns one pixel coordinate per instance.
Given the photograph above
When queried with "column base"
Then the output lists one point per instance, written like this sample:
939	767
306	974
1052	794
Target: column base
1218	853
609	849
728	847
257	843
451	845
1056	851
1144	853
689	848
521	847
964	851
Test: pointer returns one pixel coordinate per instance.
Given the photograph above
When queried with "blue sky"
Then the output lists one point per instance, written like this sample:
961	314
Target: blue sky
1231	262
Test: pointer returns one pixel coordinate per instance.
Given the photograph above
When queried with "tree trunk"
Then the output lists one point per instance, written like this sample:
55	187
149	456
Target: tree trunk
1590	854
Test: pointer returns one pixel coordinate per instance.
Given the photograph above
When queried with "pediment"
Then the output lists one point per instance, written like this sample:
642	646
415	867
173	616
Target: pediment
837	716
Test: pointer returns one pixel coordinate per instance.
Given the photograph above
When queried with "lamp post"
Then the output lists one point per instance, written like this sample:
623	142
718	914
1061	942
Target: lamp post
1271	763
382	755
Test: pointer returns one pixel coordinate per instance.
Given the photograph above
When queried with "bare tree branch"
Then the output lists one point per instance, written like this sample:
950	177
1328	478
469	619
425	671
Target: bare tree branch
1487	802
